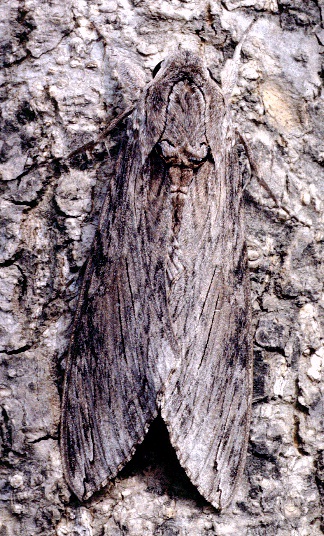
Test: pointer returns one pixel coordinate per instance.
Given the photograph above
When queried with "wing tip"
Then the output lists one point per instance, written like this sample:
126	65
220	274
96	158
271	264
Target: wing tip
218	499
103	484
85	491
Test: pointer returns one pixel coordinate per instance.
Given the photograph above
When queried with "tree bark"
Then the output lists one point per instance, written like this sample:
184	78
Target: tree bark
67	70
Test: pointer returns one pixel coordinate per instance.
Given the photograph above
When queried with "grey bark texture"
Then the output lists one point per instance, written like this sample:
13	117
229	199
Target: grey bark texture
67	70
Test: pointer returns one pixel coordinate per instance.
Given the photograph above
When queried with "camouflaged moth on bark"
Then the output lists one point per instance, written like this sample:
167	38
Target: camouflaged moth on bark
163	319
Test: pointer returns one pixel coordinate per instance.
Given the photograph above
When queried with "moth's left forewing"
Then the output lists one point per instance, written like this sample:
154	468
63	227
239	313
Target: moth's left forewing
207	400
122	343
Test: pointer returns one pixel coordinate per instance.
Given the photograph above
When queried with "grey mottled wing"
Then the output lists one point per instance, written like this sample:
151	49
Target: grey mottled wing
122	346
206	403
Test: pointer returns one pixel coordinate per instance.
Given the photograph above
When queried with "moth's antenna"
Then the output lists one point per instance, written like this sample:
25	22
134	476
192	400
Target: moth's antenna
230	72
109	128
87	147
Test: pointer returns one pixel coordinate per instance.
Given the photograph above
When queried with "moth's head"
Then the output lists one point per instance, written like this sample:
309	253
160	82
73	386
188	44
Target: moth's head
181	112
183	141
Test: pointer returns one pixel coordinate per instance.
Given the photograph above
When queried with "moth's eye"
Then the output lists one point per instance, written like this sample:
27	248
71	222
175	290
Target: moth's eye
195	160
199	156
156	69
166	149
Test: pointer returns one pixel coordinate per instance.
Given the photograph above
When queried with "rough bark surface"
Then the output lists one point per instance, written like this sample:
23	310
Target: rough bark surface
67	70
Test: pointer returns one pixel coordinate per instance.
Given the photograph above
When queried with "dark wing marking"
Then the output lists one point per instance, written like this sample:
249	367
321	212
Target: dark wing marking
122	346
206	403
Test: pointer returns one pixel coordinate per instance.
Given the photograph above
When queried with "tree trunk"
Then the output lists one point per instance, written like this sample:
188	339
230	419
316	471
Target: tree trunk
68	69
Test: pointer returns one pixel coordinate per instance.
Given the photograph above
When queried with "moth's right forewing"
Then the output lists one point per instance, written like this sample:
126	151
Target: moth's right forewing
207	400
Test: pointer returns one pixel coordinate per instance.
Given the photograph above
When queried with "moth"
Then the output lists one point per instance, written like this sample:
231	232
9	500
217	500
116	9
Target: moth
163	318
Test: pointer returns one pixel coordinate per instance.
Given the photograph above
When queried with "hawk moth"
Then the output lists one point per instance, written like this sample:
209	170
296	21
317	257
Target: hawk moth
163	318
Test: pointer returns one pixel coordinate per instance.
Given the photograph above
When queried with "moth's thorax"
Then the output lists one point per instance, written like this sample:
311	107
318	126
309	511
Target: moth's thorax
181	178
183	141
